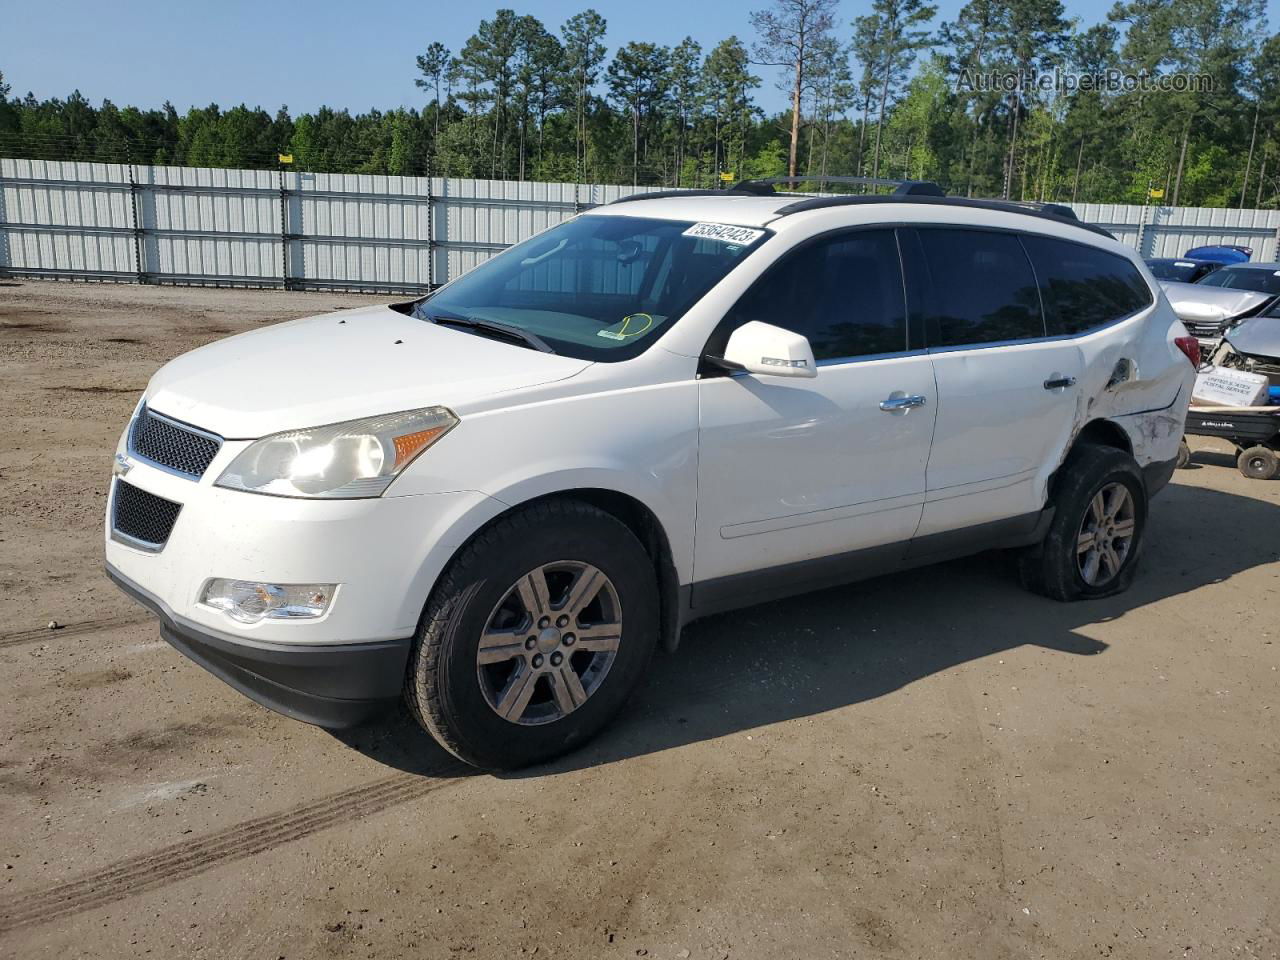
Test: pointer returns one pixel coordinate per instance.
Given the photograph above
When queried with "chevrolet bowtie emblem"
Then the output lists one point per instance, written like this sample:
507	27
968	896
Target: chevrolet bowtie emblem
121	465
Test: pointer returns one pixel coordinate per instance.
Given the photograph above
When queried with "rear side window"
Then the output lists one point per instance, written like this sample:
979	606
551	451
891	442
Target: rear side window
843	292
982	291
1084	288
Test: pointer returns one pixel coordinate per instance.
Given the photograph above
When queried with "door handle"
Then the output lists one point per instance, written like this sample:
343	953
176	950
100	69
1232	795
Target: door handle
901	403
1059	383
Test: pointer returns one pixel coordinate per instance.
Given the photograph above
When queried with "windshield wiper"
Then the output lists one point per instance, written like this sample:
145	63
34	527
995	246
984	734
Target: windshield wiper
491	326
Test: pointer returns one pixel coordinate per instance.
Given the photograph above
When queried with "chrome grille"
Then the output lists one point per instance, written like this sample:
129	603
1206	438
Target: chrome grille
168	443
142	518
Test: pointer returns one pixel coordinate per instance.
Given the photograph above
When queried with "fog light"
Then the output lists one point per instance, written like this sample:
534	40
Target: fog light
250	601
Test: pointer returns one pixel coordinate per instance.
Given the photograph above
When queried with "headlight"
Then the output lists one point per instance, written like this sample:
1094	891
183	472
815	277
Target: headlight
358	458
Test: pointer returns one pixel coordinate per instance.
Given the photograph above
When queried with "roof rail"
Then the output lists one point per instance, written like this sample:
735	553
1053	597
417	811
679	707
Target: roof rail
1056	212
1042	206
922	188
906	191
664	194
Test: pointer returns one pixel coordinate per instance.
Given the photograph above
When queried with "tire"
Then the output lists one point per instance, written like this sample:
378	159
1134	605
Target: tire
487	590
1259	463
1184	456
1058	566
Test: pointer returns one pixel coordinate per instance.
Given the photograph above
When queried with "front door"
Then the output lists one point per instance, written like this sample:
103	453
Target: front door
797	470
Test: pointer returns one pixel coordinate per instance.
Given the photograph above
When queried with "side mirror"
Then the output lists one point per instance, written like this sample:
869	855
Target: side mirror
765	349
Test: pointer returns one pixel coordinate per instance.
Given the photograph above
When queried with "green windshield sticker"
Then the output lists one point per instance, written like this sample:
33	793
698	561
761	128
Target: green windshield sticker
630	326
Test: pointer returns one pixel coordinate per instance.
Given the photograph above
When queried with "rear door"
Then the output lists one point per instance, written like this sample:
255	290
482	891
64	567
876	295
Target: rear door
1007	393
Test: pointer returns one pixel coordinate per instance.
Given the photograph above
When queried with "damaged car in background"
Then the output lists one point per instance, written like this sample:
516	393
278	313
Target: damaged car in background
1219	301
1237	397
1181	269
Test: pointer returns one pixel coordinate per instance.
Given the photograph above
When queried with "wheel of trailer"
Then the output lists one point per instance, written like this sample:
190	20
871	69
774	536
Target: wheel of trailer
1100	513
1259	463
535	635
1184	456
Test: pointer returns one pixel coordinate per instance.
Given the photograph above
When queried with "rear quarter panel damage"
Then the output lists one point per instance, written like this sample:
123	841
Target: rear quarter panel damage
1147	397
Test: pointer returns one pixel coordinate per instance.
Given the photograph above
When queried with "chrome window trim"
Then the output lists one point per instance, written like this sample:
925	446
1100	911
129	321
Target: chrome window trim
926	351
143	409
1056	338
870	357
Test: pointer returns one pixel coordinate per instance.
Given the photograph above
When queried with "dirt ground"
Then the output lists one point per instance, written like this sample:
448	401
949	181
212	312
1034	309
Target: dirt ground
930	765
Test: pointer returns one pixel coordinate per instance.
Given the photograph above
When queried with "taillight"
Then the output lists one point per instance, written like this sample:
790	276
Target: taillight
1191	347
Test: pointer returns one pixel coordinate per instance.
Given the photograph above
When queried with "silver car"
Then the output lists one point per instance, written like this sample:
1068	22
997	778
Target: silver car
1219	301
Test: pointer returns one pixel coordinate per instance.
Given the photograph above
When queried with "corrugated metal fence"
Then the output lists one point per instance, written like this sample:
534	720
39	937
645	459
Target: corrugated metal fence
301	230
264	228
1171	231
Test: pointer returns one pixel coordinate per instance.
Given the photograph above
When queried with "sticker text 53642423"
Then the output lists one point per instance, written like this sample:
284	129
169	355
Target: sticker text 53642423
725	233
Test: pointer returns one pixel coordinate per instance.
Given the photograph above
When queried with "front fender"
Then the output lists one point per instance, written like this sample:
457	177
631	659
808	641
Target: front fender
641	442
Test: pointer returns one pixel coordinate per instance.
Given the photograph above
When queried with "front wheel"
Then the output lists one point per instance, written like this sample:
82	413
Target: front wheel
535	636
1100	513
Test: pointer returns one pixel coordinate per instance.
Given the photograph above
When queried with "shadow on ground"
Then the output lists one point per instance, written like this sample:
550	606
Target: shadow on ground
842	646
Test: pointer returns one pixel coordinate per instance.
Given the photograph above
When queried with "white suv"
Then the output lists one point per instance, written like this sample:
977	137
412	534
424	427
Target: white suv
498	499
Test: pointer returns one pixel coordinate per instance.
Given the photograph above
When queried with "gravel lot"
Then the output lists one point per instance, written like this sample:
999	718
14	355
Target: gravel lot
931	765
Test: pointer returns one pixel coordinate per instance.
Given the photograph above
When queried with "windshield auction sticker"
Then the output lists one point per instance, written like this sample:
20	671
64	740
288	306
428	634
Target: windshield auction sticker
725	233
632	326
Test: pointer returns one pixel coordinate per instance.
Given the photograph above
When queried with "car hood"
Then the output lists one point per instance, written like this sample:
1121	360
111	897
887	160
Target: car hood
342	366
1257	336
1199	303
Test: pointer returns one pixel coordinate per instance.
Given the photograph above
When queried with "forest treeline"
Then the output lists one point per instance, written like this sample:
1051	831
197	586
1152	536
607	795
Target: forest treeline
979	104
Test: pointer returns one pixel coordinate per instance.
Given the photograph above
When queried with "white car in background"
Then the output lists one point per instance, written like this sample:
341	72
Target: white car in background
499	499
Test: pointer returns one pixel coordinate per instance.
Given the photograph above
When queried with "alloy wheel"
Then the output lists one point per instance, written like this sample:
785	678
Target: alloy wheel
549	642
1106	534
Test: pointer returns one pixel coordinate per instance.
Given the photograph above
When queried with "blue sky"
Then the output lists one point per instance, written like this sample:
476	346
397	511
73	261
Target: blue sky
344	54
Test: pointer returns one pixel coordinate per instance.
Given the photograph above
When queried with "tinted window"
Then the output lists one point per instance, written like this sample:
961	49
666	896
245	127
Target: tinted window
842	292
1084	288
983	289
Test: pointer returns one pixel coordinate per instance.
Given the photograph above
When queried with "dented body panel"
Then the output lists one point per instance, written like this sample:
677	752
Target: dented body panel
1141	382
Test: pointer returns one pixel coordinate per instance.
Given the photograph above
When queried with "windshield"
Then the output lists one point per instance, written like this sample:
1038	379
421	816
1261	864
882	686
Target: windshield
1180	270
596	288
1245	278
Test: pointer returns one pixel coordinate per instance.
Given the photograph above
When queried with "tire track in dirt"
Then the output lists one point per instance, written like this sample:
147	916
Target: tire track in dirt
179	861
69	630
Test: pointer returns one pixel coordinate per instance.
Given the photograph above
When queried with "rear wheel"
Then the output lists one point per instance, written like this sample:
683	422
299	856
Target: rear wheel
535	636
1100	512
1259	463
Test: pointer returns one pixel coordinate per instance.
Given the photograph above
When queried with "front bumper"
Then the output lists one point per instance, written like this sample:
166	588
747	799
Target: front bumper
331	685
384	553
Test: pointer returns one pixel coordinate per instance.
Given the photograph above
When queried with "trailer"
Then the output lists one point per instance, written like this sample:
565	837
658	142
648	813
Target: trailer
1255	432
